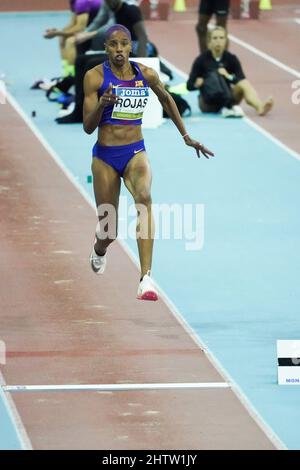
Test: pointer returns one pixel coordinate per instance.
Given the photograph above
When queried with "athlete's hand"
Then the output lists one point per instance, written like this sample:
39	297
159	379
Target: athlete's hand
200	148
222	71
50	33
199	82
108	98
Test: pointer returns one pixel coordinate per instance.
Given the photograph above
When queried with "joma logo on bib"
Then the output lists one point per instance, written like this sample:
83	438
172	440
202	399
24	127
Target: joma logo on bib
131	103
133	92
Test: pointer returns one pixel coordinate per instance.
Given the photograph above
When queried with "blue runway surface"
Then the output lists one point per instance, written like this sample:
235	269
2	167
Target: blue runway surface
240	291
9	437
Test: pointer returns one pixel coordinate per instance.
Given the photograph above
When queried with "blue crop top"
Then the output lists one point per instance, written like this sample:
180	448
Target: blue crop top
133	97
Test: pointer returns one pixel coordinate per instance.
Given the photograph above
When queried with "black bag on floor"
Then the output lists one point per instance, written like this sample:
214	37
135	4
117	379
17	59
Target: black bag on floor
182	106
216	91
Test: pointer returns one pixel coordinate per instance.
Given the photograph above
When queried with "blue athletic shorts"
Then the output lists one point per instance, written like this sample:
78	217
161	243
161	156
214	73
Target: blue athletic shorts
118	156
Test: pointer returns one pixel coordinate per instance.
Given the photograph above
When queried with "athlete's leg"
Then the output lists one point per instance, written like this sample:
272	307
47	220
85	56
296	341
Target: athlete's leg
201	29
70	50
221	21
205	12
137	178
62	43
107	190
245	88
221	11
68	55
238	94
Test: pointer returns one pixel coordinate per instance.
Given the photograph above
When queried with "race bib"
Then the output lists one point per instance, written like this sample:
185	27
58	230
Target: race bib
131	103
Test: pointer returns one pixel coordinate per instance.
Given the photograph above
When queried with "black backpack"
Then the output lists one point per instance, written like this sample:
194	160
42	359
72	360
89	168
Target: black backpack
216	91
182	106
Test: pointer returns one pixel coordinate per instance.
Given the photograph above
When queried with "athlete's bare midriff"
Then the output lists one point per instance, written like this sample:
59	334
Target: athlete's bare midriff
119	135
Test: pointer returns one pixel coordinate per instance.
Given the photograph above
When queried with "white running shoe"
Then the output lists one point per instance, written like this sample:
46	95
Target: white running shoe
64	112
228	112
146	290
238	111
98	263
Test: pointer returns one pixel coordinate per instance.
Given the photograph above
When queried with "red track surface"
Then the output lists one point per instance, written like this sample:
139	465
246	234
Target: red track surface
33	5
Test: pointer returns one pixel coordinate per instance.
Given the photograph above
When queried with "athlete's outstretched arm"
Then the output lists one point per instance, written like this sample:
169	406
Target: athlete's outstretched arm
92	106
170	107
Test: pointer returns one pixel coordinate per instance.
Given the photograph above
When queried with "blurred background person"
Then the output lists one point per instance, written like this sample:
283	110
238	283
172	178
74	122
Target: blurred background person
208	8
82	13
217	60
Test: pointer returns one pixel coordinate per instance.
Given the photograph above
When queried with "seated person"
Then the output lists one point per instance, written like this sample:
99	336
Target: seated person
218	59
83	12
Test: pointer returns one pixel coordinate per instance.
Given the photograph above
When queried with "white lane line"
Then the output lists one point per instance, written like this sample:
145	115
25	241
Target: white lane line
15	417
177	314
265	56
113	387
297	20
249	121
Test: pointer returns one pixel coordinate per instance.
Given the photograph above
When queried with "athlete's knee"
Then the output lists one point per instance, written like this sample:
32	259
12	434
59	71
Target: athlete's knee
143	197
242	85
70	41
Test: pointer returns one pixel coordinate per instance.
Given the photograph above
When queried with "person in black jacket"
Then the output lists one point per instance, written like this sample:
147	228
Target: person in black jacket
218	59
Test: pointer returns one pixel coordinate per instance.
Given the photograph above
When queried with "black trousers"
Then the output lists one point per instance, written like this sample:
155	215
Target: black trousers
217	7
84	62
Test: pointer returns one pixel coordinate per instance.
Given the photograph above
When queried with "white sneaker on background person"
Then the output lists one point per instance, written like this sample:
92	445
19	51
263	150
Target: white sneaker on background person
238	111
234	112
227	112
66	111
